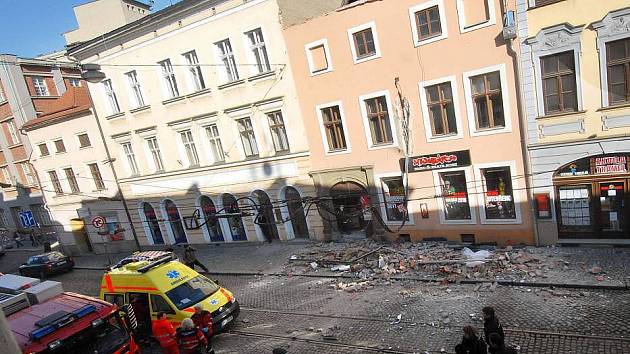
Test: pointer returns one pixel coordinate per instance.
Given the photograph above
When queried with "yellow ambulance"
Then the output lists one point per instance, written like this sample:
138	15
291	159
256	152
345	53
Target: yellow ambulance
155	281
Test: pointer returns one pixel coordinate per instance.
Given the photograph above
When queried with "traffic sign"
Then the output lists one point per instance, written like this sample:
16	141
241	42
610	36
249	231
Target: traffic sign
98	222
27	219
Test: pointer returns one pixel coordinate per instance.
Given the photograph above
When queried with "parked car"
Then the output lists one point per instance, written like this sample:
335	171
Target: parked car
46	264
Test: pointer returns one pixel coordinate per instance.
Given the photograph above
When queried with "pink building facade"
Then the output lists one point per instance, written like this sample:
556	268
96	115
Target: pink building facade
447	61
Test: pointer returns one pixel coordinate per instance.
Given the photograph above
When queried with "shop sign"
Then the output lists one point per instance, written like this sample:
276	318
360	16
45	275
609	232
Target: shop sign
609	164
438	161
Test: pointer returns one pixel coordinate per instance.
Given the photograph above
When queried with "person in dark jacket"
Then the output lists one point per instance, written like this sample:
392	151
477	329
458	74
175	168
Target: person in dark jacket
190	258
203	320
497	345
18	240
491	325
471	344
191	339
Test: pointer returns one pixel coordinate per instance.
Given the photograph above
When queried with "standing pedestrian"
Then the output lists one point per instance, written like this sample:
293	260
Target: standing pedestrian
491	325
471	344
31	236
18	239
497	345
190	258
164	333
191	338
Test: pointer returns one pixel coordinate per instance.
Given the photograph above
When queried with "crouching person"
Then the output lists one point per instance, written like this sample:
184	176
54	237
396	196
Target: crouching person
164	333
190	338
203	321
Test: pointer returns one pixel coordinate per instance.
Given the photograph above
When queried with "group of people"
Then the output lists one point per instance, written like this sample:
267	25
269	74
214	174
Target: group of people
192	337
493	340
18	240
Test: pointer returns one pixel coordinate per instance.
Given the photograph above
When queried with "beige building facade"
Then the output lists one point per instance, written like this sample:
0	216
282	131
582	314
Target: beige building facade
200	112
438	74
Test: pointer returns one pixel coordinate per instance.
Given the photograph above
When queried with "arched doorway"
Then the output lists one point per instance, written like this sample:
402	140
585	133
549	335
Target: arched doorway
593	196
235	223
175	222
347	203
212	225
151	224
295	209
266	219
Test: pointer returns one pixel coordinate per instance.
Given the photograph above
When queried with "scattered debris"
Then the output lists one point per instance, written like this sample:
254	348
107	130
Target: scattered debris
313	265
340	268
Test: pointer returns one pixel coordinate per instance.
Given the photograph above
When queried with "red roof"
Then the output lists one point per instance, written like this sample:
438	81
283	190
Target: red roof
74	101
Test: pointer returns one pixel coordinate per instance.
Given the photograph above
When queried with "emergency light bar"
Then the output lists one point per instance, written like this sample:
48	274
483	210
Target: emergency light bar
63	321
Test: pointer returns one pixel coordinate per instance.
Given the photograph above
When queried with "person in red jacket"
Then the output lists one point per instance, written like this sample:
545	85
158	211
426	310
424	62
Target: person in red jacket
164	333
192	340
203	320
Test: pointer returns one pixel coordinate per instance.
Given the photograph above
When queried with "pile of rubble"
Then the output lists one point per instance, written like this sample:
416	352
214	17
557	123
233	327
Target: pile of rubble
368	260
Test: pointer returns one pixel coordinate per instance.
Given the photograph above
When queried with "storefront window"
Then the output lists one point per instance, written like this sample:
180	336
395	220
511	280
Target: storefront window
498	193
575	209
394	196
455	195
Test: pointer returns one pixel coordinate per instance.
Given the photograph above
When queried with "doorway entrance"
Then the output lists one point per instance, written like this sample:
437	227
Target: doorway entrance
296	212
266	219
347	204
611	208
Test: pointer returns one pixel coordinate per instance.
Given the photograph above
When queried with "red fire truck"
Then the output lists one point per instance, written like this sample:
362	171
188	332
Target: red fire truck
67	323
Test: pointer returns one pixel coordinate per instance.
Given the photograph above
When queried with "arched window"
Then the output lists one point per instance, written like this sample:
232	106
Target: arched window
265	218
151	224
237	229
212	223
175	221
296	212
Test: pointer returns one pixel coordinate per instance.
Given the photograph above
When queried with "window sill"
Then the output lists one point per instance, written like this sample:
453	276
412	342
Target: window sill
140	109
115	115
61	153
282	153
15	146
85	147
252	157
337	152
543	5
3	102
173	100
49	97
199	93
231	84
366	58
320	72
561	114
261	76
424	41
613	107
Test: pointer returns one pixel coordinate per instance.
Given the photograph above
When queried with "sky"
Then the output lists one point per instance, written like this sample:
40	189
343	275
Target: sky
32	27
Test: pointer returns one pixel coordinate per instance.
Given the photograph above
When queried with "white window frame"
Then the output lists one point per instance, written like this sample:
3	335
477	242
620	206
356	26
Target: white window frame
196	81
57	152
209	140
257	139
425	109
377	47
131	170
72	80
309	57
39	150
232	68
12	128
471	190
96	188
366	122
414	26
183	147
169	81
470	106
151	158
79	140
40	85
381	198
6	174
320	119
110	96
135	89
29	173
261	47
516	192
461	16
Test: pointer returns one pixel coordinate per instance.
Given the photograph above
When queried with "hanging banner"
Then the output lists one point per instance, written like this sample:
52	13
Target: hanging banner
437	161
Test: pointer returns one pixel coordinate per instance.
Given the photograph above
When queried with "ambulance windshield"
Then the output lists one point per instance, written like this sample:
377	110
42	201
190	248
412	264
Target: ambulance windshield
191	292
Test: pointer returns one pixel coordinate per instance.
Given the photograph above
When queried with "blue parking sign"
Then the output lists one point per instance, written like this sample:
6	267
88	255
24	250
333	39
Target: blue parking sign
27	219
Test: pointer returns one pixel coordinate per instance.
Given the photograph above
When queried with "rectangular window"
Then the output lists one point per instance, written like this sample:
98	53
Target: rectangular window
215	143
54	179
498	193
29	174
6	175
246	131
364	43
487	100
40	214
13	132
333	125
131	158
278	131
257	46
575	207
111	97
189	147
72	180
476	12
74	82
428	23
43	150
39	83
2	96
441	109
558	83
394	197
84	140
136	90
378	119
60	147
319	60
168	75
194	70
227	58
156	154
618	66
96	176
15	215
455	195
